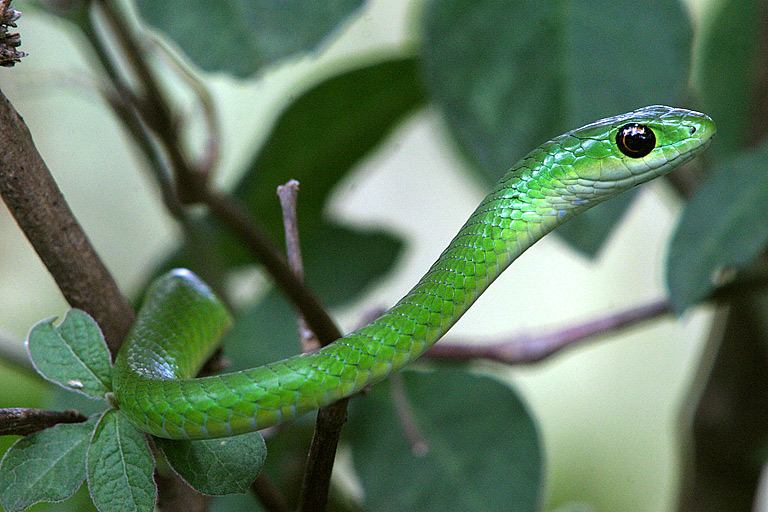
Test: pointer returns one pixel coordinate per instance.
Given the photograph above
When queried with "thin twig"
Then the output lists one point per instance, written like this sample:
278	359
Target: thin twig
533	349
331	418
288	195
237	219
212	151
405	416
22	422
192	184
42	213
154	105
527	349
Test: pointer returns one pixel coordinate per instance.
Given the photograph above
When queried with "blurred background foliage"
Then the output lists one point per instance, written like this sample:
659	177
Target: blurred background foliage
396	117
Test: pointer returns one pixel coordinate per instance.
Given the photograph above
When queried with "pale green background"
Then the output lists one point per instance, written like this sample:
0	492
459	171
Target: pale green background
609	411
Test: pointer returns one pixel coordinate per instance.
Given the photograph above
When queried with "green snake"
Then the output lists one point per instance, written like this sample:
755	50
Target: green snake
181	321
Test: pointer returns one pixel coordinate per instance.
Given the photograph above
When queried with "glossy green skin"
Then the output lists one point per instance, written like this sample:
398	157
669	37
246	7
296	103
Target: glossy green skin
181	322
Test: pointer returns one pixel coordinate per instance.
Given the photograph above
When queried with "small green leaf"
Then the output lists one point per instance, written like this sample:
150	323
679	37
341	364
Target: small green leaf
72	355
217	466
46	466
120	467
242	36
470	445
724	224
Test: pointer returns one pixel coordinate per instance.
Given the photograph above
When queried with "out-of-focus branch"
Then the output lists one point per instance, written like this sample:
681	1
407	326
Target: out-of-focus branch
39	208
532	349
22	422
193	186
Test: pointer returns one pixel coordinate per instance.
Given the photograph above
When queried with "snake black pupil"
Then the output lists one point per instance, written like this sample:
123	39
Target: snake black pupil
635	140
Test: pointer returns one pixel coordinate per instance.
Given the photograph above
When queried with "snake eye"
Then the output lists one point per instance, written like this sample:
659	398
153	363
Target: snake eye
635	140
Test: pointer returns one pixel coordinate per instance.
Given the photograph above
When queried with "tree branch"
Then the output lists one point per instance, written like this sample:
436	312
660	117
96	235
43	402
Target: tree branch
527	350
42	213
288	195
22	422
193	186
331	418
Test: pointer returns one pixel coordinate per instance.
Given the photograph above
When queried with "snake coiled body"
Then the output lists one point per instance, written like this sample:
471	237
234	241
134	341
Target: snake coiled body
152	381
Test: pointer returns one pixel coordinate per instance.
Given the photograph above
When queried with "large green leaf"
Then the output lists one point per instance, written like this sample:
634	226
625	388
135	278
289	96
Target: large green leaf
510	75
46	466
119	466
467	443
724	225
242	36
217	466
725	75
323	134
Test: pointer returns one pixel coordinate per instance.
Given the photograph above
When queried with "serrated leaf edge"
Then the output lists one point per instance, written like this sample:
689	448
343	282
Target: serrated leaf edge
86	438
122	456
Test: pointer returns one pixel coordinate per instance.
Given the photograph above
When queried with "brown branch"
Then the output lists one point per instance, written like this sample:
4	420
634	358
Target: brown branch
322	454
288	194
331	418
22	422
39	208
527	350
192	184
236	218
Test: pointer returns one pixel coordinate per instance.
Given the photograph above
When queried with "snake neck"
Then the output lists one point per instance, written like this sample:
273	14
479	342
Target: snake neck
515	215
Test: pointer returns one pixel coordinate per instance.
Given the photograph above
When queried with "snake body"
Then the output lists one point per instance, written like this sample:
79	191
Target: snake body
152	380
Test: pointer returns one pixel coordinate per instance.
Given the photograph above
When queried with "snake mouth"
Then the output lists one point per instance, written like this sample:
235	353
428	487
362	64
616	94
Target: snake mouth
686	156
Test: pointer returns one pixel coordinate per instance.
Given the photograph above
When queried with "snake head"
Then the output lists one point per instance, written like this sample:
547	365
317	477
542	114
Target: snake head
604	158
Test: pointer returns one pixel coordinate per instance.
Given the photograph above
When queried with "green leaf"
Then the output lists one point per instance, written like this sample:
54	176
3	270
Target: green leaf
724	224
46	466
728	59
317	140
323	134
242	36
340	262
510	75
120	467
72	355
587	231
478	447
217	466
